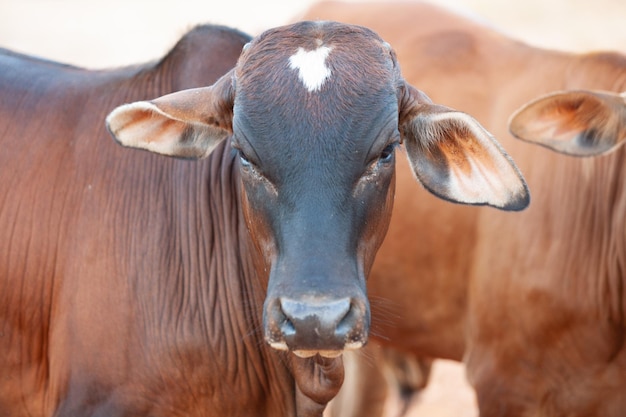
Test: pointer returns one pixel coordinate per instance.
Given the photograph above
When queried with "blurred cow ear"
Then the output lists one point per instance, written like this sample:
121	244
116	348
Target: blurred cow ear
455	158
186	124
580	123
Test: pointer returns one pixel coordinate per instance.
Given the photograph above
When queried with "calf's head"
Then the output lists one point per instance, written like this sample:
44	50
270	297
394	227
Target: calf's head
315	113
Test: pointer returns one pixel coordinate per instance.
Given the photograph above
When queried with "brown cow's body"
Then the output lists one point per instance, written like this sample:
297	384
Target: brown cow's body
535	303
133	284
115	343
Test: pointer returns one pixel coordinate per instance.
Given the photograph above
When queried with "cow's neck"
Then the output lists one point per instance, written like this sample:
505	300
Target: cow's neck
600	234
207	295
581	205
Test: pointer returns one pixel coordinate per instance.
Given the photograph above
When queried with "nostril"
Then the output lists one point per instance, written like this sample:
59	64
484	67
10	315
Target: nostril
277	325
287	327
354	326
348	321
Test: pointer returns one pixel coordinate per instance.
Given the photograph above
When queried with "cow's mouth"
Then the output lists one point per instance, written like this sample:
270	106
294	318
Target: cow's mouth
323	353
308	353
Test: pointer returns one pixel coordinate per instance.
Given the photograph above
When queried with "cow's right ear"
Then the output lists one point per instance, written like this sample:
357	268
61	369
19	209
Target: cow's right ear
580	123
185	124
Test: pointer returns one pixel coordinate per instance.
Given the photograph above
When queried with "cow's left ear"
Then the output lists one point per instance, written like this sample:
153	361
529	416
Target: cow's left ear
580	123
455	158
185	124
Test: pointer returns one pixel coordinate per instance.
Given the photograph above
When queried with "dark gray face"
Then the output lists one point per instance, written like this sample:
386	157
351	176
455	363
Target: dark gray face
317	173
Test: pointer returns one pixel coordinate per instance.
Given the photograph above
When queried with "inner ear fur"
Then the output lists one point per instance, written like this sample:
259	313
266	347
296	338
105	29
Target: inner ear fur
579	123
455	158
186	124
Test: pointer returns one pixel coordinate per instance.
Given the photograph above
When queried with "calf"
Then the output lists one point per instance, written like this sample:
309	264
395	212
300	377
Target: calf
229	279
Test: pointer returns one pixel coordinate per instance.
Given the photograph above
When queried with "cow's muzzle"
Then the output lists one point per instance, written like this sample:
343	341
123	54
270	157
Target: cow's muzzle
316	325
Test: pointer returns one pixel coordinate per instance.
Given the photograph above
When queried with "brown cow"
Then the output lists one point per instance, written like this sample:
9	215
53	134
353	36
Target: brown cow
534	301
135	284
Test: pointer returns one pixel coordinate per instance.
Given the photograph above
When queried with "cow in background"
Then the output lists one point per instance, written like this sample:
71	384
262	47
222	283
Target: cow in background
230	278
533	303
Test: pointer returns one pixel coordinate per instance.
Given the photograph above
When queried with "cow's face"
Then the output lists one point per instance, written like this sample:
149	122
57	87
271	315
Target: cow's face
315	137
314	112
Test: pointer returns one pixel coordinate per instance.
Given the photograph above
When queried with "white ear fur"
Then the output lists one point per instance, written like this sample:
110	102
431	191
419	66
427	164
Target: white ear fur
143	125
185	124
579	123
455	158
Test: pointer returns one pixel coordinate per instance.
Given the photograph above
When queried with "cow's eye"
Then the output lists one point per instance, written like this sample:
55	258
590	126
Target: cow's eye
387	154
245	162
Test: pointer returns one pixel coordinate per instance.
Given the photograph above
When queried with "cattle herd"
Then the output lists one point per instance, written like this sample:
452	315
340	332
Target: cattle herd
288	225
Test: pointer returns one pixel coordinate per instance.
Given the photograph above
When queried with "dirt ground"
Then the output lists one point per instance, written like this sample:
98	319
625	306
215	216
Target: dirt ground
447	395
99	33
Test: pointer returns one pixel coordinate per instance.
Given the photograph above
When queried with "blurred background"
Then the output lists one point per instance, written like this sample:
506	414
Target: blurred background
102	33
99	33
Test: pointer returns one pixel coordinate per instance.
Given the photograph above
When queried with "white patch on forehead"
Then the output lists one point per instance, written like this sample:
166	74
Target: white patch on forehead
311	66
